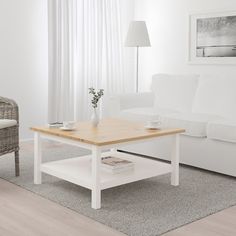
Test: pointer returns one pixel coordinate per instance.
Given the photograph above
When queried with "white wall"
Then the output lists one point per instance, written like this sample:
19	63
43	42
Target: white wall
167	21
23	59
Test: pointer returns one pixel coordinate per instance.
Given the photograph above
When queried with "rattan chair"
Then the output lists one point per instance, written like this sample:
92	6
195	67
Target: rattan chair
9	137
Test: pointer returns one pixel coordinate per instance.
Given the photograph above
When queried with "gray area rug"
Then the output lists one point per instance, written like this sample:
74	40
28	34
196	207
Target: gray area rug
144	208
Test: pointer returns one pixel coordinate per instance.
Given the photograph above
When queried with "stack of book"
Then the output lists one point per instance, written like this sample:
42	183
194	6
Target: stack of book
116	165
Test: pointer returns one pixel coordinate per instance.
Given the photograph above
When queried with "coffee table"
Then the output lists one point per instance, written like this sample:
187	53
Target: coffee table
109	135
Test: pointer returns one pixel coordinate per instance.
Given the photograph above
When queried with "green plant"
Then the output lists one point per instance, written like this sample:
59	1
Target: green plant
96	95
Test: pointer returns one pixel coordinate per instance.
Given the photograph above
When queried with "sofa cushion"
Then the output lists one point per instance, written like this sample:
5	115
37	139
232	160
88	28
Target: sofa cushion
5	123
174	92
216	95
224	130
194	124
144	114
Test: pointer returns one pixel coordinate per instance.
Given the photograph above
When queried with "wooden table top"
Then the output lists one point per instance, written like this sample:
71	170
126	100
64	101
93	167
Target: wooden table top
109	131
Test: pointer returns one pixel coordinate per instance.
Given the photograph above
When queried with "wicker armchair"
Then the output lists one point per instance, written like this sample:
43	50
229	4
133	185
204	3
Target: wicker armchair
9	137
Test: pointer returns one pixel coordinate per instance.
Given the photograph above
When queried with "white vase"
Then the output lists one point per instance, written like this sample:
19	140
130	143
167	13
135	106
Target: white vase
95	118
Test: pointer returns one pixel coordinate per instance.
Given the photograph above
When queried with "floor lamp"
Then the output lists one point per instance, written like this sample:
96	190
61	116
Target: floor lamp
137	36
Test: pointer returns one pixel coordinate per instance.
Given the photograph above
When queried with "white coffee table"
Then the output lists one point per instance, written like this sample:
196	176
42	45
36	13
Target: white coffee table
109	135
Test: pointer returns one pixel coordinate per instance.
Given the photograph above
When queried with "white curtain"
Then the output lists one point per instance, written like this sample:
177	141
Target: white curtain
85	49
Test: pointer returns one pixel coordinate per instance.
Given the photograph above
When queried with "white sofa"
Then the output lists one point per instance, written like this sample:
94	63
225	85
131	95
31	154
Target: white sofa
205	106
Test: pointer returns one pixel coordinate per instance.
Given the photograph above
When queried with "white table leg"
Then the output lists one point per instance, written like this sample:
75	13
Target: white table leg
37	158
96	190
175	161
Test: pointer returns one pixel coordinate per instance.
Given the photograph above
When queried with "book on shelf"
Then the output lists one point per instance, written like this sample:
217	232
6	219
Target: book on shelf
116	165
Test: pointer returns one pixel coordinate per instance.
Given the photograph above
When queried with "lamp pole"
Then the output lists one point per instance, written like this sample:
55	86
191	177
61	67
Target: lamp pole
137	61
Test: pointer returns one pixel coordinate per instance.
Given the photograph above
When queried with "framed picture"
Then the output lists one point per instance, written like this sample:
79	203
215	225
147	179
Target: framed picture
212	38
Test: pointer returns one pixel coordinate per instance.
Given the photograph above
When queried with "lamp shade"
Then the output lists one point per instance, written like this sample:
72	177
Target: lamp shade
137	35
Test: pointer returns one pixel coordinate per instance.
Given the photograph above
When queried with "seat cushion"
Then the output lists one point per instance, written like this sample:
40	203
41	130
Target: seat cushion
194	124
174	92
5	123
144	114
223	130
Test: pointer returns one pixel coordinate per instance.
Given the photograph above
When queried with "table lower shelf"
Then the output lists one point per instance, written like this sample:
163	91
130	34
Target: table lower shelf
78	170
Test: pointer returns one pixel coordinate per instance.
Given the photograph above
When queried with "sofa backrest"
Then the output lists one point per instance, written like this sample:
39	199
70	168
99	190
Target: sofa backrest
174	92
216	95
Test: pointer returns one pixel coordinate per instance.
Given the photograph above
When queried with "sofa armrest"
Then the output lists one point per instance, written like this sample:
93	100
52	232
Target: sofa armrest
8	109
121	102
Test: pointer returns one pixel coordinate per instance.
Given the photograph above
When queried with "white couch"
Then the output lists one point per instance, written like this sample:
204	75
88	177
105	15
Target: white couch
205	106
